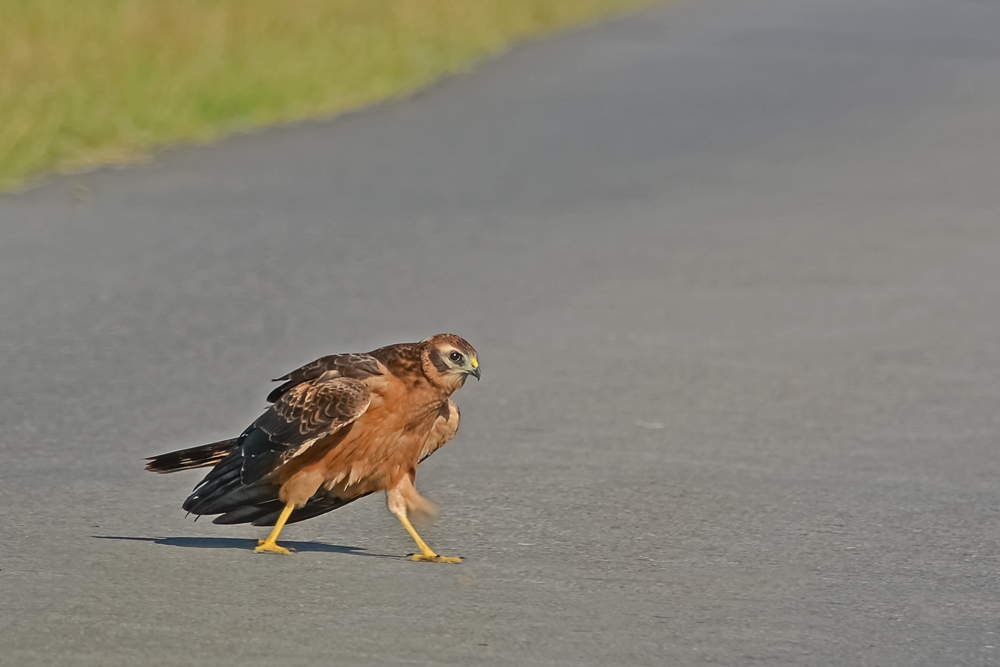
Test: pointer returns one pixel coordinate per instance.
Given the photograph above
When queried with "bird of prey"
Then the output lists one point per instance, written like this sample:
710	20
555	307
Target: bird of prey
338	429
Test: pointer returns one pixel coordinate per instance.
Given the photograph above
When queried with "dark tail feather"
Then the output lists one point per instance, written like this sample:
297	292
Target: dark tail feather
266	513
313	508
188	459
249	513
228	496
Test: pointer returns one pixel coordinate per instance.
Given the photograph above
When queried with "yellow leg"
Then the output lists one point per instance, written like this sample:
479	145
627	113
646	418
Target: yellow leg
426	554
270	544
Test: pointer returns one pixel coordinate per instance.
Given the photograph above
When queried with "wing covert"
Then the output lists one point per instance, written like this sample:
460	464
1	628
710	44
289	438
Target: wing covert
356	366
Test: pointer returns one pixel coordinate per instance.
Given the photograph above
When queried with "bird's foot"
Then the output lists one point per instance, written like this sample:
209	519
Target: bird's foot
434	558
270	545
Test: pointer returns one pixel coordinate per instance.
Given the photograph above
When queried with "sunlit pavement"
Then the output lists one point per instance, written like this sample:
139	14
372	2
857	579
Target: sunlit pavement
733	270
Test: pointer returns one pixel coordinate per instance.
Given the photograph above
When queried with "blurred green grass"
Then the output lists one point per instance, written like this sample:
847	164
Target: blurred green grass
85	82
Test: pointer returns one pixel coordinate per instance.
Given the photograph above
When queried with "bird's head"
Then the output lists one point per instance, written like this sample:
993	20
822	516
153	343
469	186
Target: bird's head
448	360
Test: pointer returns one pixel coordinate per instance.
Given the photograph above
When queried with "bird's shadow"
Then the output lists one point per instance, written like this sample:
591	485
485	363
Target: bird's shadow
243	545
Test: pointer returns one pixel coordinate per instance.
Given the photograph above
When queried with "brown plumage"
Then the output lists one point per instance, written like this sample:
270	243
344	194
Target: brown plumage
338	429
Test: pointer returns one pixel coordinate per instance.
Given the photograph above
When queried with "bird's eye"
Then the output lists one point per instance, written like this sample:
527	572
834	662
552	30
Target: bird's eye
455	356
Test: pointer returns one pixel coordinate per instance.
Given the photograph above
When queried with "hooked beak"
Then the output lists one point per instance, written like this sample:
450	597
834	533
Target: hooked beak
475	368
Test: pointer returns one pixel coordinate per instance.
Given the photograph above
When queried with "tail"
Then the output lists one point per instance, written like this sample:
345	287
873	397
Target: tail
195	457
224	490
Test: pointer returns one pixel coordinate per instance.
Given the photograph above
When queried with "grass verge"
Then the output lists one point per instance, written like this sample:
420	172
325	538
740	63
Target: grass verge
97	81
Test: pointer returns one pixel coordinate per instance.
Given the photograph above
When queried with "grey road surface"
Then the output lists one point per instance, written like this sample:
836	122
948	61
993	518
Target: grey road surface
733	268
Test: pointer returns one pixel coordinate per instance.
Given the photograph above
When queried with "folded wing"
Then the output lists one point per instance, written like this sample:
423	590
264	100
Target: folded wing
302	416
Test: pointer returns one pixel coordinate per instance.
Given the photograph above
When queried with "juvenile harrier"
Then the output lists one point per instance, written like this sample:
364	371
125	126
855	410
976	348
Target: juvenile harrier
338	429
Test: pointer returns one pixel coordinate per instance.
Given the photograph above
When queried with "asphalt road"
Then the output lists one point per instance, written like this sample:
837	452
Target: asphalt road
733	270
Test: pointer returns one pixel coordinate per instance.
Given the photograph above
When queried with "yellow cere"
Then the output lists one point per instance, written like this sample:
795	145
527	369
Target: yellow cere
475	363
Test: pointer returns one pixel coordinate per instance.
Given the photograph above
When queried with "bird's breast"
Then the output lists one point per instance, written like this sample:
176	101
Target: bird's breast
384	444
